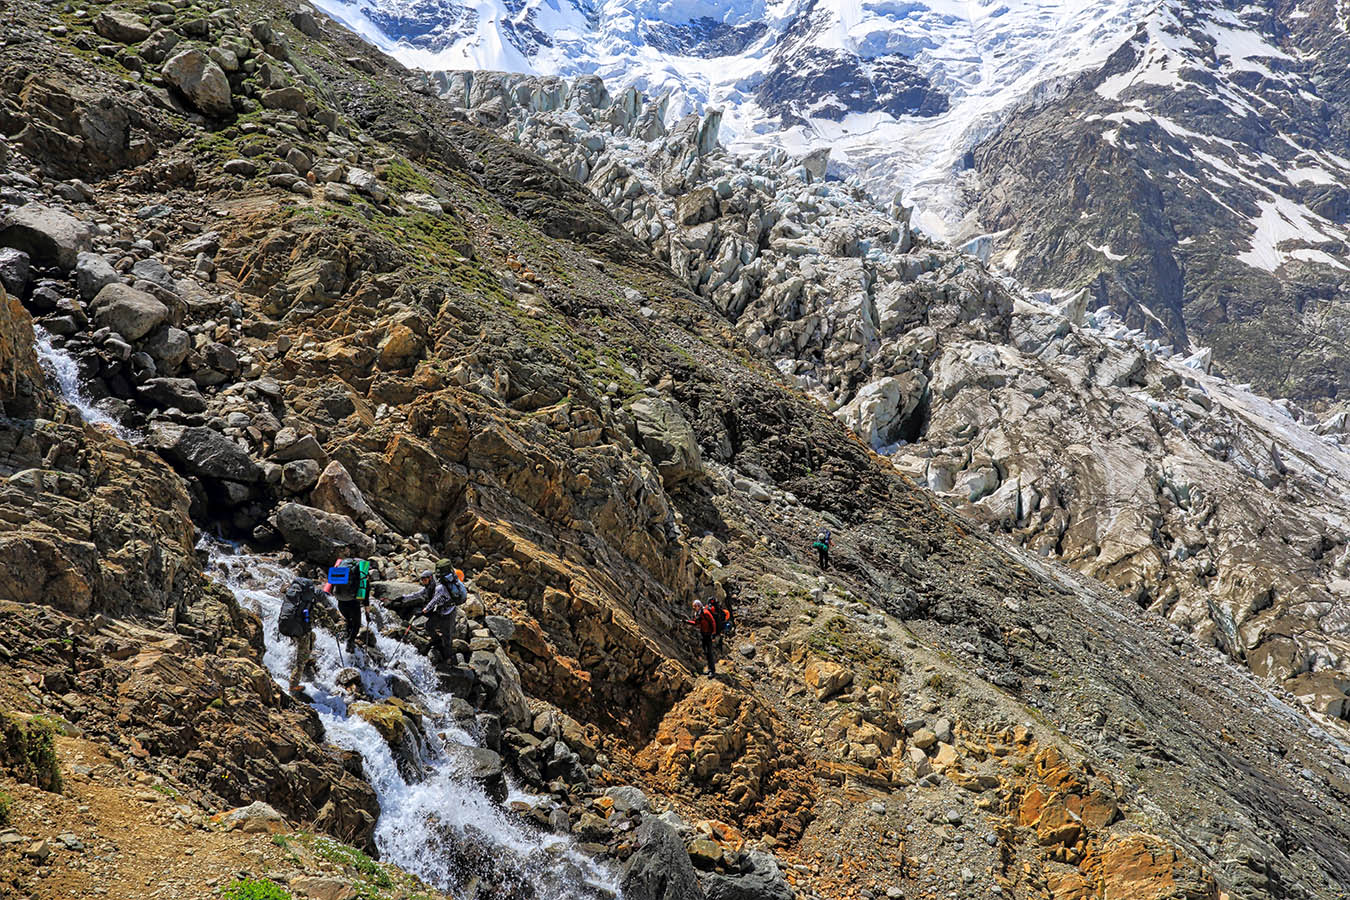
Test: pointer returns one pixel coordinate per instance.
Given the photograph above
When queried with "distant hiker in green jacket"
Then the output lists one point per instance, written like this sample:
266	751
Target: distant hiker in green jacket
822	548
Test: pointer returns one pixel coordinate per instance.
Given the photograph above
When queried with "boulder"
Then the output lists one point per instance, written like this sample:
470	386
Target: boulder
299	475
316	887
200	81
763	881
122	26
172	393
48	236
479	765
659	868
321	537
291	98
335	492
256	818
92	274
127	311
168	347
14	270
668	439
204	452
826	678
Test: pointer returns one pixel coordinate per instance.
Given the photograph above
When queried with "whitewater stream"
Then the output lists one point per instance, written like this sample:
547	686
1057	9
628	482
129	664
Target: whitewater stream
64	372
443	827
436	822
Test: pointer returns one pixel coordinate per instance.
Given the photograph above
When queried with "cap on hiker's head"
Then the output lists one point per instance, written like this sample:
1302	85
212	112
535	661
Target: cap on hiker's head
426	576
698	604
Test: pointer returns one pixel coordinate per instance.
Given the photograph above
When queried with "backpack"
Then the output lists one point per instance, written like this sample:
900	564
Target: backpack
350	580
458	592
297	608
444	568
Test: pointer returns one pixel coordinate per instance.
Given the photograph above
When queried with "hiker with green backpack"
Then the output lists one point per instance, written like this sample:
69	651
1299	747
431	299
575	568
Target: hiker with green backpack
349	584
443	592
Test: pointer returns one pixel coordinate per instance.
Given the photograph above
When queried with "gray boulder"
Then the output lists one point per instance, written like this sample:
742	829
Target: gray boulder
127	311
121	26
172	393
204	452
660	868
48	236
763	881
14	270
92	274
168	347
321	537
153	271
668	439
200	81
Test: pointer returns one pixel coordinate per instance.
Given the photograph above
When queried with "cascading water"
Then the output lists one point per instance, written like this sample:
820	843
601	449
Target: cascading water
444	827
61	367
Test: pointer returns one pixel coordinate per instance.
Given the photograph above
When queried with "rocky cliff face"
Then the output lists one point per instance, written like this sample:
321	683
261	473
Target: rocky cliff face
333	316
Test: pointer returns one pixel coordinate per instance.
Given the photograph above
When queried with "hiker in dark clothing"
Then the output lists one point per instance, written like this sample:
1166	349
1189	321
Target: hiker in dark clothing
296	620
822	547
349	583
440	599
706	624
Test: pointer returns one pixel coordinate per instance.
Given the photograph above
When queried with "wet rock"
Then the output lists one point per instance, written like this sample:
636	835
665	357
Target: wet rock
321	537
48	236
481	765
200	81
659	868
127	311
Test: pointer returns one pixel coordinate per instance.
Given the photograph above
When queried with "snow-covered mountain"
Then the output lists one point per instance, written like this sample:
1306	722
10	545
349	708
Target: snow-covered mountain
1186	160
900	90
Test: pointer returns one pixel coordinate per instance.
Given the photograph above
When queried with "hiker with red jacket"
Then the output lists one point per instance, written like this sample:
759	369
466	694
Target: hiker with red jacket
706	622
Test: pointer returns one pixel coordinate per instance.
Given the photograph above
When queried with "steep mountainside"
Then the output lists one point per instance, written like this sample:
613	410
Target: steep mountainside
318	312
1186	161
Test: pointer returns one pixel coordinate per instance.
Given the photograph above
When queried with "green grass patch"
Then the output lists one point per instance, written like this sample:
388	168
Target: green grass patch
402	177
254	889
6	804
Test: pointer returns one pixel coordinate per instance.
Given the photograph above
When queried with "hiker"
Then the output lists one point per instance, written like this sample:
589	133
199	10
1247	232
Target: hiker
822	546
441	597
706	624
349	583
722	616
296	620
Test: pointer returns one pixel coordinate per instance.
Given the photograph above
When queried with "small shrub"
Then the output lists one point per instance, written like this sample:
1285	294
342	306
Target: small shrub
4	808
28	749
255	889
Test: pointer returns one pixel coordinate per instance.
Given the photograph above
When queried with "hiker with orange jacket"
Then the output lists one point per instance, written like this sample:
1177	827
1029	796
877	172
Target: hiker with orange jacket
705	620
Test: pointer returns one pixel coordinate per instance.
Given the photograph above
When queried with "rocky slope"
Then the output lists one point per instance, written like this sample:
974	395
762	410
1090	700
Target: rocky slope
1084	439
327	313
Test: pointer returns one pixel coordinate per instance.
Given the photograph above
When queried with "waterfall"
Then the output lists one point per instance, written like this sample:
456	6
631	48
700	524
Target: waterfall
424	825
62	369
